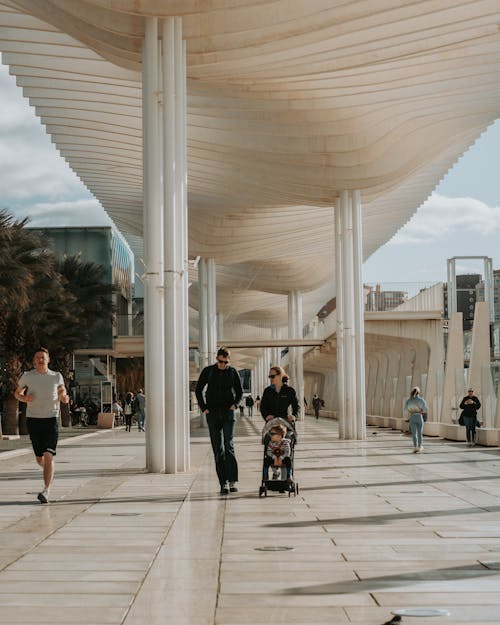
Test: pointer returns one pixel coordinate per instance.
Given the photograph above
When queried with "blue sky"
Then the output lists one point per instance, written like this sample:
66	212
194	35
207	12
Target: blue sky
462	216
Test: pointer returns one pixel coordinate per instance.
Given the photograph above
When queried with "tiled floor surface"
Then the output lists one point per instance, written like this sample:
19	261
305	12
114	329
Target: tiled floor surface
374	528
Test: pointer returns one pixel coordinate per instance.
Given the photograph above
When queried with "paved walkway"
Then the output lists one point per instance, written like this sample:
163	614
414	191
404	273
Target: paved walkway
374	528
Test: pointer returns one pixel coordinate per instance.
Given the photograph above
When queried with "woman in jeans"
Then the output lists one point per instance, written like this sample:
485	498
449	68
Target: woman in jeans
416	406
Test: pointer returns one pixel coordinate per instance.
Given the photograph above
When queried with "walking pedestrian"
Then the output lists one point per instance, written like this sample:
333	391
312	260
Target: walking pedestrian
317	402
128	411
43	390
249	404
219	392
278	397
140	410
470	404
417	407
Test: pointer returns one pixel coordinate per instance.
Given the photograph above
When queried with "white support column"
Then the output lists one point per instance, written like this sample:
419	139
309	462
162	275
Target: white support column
348	297
339	242
299	352
220	327
276	351
181	251
153	232
171	225
176	382
359	323
211	310
292	353
202	311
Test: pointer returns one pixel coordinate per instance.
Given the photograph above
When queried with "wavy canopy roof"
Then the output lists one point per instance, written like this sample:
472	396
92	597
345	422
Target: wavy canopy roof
289	102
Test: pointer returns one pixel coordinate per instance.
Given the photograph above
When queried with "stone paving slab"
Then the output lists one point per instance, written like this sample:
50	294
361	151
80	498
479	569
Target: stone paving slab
374	528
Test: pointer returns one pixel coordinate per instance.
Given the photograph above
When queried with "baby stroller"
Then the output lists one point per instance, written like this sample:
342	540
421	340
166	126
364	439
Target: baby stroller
278	483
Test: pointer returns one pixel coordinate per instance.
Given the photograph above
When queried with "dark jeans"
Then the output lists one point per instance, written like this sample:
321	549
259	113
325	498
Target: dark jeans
221	427
470	428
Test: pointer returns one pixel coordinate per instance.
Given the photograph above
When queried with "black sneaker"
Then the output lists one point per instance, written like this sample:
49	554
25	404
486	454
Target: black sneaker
224	490
43	497
232	488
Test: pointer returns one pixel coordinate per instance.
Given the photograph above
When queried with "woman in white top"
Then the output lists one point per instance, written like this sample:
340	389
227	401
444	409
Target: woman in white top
416	406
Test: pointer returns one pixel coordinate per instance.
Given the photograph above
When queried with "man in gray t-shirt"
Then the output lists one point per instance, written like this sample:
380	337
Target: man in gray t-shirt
42	390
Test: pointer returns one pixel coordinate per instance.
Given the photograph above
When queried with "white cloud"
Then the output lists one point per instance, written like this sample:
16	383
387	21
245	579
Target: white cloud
440	218
34	180
66	213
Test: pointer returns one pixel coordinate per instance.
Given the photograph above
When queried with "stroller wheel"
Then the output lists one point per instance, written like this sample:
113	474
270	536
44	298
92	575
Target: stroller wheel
261	490
296	489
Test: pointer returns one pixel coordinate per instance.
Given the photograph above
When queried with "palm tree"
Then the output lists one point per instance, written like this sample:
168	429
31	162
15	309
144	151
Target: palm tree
24	259
44	302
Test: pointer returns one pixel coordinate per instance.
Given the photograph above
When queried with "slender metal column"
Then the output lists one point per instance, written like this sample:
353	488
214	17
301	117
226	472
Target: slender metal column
348	297
202	322
339	238
211	309
359	324
153	231
276	351
299	353
292	333
202	311
181	253
171	243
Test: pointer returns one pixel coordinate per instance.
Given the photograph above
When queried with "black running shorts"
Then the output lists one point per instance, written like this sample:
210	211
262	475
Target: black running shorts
43	434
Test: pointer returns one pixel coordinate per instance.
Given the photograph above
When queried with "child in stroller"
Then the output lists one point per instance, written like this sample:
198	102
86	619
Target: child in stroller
278	437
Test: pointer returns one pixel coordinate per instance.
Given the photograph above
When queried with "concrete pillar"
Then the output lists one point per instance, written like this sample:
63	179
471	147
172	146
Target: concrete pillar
175	248
454	362
348	299
211	310
479	370
299	351
292	354
276	351
340	339
202	312
153	245
359	309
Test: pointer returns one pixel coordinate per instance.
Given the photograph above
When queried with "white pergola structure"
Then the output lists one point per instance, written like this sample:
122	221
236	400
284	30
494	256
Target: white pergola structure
294	112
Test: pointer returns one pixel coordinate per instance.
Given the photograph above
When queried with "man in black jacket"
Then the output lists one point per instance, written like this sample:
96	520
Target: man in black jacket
223	393
470	404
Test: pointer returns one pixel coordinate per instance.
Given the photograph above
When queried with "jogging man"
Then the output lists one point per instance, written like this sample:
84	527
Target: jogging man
42	390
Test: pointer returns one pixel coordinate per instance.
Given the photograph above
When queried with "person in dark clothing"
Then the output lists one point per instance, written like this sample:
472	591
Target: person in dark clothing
470	404
278	397
317	403
249	404
219	401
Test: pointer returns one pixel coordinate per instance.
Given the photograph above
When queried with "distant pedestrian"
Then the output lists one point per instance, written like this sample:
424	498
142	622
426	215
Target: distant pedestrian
417	407
219	392
317	403
257	403
470	404
43	390
249	404
117	409
128	411
140	409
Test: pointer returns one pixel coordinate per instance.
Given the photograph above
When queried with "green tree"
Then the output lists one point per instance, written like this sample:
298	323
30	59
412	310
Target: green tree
24	260
44	301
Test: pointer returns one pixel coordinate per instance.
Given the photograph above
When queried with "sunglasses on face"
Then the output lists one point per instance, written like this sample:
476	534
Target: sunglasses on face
272	375
222	362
